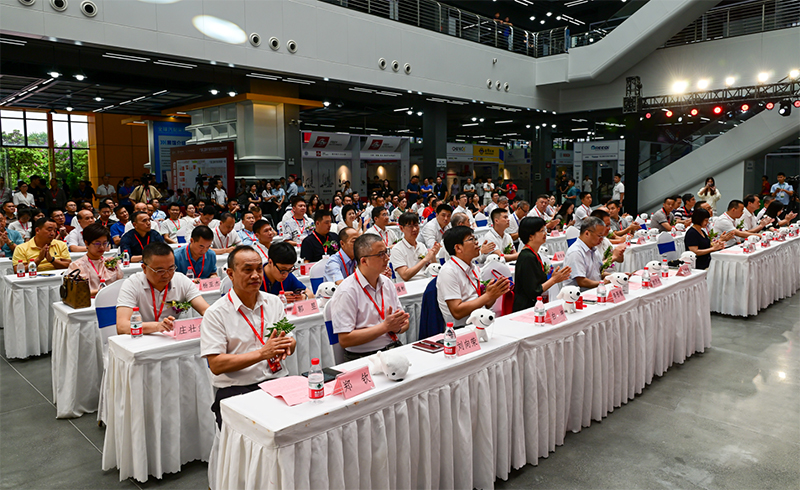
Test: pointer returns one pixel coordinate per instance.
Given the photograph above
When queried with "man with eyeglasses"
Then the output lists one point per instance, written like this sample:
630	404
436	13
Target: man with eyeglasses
62	230
153	290
139	237
278	275
582	256
75	237
197	255
368	316
458	287
225	239
410	257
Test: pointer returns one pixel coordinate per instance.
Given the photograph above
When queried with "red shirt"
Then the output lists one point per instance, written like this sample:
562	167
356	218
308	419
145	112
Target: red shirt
511	191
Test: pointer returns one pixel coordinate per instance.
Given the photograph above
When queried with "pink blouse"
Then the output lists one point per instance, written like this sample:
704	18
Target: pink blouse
88	272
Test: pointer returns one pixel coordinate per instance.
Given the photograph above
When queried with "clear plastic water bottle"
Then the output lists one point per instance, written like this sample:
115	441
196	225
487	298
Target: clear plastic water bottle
136	324
450	341
602	294
20	269
538	311
664	269
32	269
190	274
646	278
627	240
126	258
287	307
102	284
316	382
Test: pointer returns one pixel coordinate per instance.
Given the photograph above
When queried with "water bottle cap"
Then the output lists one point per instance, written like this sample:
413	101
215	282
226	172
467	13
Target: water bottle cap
538	298
136	308
314	361
449	324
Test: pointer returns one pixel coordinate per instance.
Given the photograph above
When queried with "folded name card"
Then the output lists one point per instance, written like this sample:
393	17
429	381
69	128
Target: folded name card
467	343
400	287
559	256
555	315
353	382
305	308
684	270
615	295
187	329
305	269
655	281
210	284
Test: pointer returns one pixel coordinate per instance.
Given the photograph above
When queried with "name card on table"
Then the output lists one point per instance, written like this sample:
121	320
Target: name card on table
401	288
210	284
305	269
555	315
353	382
467	343
187	329
559	256
529	317
555	234
684	270
655	281
292	389
305	308
615	295
641	241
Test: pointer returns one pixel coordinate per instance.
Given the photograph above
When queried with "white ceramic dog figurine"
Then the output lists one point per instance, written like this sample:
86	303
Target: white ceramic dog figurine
391	363
680	227
481	319
654	266
433	269
619	279
325	293
543	250
639	233
494	258
570	295
689	258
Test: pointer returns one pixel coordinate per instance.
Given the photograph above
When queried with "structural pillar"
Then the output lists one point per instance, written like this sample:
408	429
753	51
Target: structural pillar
434	138
631	175
541	158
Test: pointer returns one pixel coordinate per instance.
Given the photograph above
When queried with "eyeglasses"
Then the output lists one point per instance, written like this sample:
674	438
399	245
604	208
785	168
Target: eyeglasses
162	272
473	238
99	244
383	253
286	271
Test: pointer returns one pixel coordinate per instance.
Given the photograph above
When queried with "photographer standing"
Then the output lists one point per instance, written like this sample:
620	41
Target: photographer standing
710	194
145	192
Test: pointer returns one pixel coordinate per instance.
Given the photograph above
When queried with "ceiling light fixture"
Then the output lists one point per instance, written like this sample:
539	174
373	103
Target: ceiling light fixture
214	91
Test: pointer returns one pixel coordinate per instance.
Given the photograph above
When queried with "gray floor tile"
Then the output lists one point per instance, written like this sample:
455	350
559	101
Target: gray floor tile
15	392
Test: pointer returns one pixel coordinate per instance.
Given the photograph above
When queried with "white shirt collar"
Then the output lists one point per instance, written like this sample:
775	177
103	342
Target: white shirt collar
237	303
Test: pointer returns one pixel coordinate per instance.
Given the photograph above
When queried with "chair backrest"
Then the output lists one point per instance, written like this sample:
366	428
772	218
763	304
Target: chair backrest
338	350
481	220
317	274
666	246
572	234
105	307
225	285
431	320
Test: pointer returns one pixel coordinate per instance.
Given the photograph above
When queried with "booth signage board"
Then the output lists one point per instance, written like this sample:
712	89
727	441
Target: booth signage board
459	152
165	136
327	141
601	150
380	155
382	144
334	155
212	158
518	156
487	153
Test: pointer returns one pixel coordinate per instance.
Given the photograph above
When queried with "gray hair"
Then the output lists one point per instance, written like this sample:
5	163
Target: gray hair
363	245
502	199
459	219
523	204
590	223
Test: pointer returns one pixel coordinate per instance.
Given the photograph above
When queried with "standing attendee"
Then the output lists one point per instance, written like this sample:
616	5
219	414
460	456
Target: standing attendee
362	326
106	190
144	192
118	228
46	252
532	281
488	190
124	192
135	240
23	198
413	189
781	190
455	187
618	191
562	189
219	197
410	257
765	186
458	286
433	231
291	188
510	189
697	241
56	198
197	255
710	194
321	242
92	265
225	237
9	239
503	243
588	184
39	189
233	338
572	193
469	187
84	192
439	189
75	238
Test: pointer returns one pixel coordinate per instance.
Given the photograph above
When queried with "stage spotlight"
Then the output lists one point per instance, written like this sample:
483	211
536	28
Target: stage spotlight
785	108
694	112
717	110
680	86
648	115
763	77
702	84
730	81
797	104
745	107
668	113
770	106
794	74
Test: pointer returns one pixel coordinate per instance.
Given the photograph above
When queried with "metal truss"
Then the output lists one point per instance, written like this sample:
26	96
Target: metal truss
755	93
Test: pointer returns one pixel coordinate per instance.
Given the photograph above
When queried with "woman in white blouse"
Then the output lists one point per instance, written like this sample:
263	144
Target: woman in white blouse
23	197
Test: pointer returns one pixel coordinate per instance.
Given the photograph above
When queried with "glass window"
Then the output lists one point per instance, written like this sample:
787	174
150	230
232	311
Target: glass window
61	134
24	162
80	134
37	133
42	116
13	131
79	118
5	114
60	117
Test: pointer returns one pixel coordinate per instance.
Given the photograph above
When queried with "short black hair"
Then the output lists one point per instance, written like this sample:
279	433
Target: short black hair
600	213
781	174
103	205
346	209
444	207
687	197
209	210
203	232
734	204
699	215
41	222
139	213
530	225
408	218
282	253
543	196
669	198
376	211
224	217
95	231
259	224
455	236
618	175
583	194
156	249
615	202
749	199
363	245
174	205
496	212
320	214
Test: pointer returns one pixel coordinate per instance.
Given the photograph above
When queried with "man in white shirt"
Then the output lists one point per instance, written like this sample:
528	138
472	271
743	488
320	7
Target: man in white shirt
618	191
106	190
458	287
157	215
297	226
153	290
730	221
503	244
363	327
264	235
218	196
495	197
206	218
410	257
171	226
585	208
225	239
522	209
75	237
380	220
751	223
582	256
488	190
433	231
587	184
462	208
539	210
235	337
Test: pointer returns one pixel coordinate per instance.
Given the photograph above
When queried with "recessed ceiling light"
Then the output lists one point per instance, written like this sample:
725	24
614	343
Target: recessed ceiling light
214	91
54	74
219	29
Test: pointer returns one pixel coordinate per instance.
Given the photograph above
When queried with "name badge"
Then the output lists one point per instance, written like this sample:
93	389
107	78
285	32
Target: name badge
305	308
467	343
400	287
353	382
187	329
210	284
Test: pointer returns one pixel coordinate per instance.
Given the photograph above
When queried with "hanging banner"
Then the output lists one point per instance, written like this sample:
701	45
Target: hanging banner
327	141
188	162
601	150
382	144
487	153
459	152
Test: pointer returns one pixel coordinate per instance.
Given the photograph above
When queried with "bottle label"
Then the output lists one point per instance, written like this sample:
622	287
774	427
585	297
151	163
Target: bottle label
601	299
316	394
538	318
135	331
450	347
664	274
32	273
21	273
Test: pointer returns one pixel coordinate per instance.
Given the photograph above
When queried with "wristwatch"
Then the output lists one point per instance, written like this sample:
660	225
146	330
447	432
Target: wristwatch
51	259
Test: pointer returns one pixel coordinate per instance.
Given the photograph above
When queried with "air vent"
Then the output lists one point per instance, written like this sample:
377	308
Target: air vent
59	5
255	39
274	43
88	8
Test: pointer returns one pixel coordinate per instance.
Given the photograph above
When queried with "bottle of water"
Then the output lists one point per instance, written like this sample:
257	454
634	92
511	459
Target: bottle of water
627	240
538	311
646	278
20	269
287	307
664	268
190	274
32	269
126	258
316	382
136	324
602	294
102	284
450	342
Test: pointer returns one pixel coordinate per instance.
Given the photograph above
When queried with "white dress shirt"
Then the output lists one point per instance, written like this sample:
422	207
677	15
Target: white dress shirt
135	292
513	223
220	240
535	213
619	189
749	220
354	310
406	255
386	235
75	237
581	212
584	261
24	229
456	280
724	224
105	190
468	213
27	200
431	232
225	331
500	242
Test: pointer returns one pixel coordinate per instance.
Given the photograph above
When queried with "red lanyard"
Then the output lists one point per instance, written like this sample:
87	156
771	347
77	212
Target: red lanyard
478	287
95	268
262	251
666	214
189	260
324	247
163	300
382	310
224	245
536	255
264	280
178	226
104	224
140	242
301	229
259	337
249	236
385	238
346	269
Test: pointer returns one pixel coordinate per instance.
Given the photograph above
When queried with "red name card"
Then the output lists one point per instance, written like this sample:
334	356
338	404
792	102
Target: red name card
210	284
559	256
555	315
305	308
400	287
655	281
684	270
641	241
187	329
615	295
305	269
467	343
353	382
292	389
555	234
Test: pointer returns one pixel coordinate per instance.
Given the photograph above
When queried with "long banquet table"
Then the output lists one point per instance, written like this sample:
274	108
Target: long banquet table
742	284
465	422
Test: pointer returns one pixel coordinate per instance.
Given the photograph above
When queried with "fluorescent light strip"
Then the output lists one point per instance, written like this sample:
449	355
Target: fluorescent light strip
402	110
470	124
125	57
265	77
14	42
309	124
388	94
174	64
365	90
403	131
327	125
137	99
126	102
161	92
295	80
580	129
504	122
576	2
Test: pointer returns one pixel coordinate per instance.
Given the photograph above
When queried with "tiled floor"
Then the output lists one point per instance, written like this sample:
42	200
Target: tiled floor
728	418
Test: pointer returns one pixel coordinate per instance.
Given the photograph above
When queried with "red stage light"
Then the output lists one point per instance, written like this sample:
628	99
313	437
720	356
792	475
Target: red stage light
745	107
797	103
770	106
648	115
717	109
668	113
694	112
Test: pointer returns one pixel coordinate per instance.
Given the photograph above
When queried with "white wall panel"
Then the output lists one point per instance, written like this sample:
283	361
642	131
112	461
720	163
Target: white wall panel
39	6
265	18
22	20
328	28
58	25
176	18
132	14
298	24
132	36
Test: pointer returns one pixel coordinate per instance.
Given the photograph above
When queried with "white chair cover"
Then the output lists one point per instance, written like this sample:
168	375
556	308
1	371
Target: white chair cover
317	274
338	350
572	234
225	286
107	297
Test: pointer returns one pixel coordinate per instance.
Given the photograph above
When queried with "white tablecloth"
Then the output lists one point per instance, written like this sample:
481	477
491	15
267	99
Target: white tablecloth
743	284
466	422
